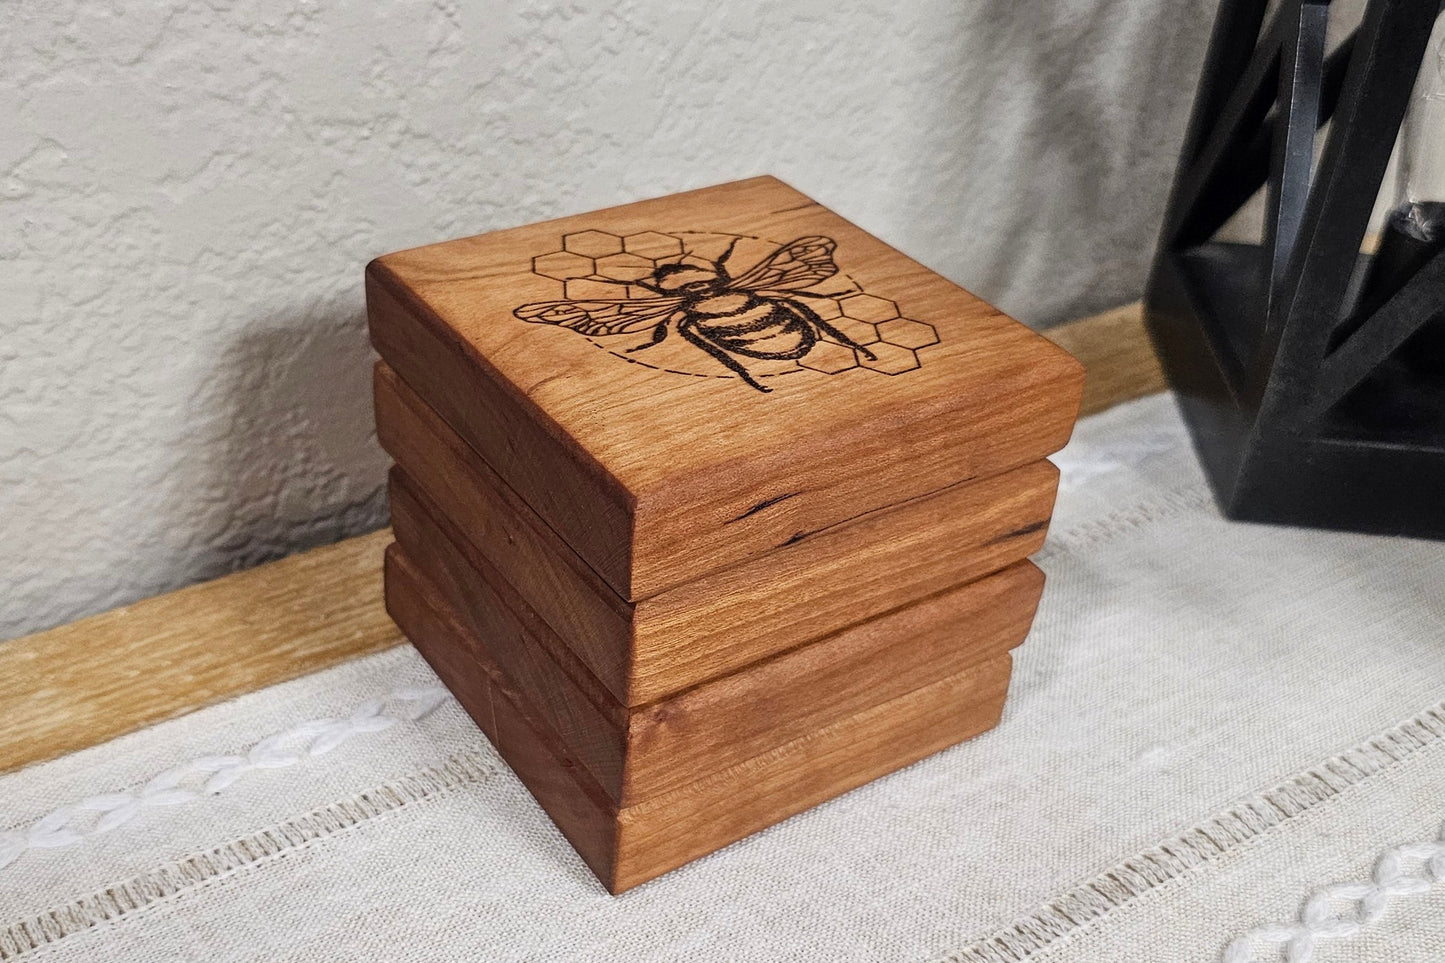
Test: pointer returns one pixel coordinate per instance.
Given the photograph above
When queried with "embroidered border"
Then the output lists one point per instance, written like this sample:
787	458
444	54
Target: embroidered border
112	902
209	775
1202	844
1344	909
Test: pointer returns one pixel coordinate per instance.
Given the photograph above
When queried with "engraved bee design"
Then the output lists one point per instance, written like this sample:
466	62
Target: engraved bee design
758	313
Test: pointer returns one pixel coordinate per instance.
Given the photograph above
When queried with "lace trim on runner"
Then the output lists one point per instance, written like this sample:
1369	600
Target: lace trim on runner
1203	844
1345	909
209	775
459	770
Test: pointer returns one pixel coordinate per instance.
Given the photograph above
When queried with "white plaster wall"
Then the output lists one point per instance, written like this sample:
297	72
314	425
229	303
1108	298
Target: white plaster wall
189	191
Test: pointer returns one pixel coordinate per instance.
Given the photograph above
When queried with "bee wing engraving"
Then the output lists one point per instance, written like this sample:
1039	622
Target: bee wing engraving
601	317
796	265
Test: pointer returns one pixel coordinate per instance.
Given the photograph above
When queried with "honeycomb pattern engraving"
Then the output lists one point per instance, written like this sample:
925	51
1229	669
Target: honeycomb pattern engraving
615	278
593	244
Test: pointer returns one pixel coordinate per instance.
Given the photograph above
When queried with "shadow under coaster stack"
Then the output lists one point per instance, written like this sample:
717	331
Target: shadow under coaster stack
709	508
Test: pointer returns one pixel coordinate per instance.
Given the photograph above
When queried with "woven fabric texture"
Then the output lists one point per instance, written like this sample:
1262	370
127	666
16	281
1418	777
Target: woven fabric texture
1209	722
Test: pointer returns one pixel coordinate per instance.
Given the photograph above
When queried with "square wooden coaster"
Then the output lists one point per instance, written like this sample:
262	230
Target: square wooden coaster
643	651
638	753
682	384
626	846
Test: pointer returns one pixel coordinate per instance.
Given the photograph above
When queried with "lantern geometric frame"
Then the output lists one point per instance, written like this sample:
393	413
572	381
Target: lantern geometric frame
1307	405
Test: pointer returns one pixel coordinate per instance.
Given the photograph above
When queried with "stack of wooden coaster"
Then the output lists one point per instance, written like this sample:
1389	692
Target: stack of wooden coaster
709	508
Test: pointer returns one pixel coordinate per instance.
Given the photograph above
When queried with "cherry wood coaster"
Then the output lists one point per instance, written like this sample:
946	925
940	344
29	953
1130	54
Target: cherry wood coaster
723	621
679	385
639	753
626	846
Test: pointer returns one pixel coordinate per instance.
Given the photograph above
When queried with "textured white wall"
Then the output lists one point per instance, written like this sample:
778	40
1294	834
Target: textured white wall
189	191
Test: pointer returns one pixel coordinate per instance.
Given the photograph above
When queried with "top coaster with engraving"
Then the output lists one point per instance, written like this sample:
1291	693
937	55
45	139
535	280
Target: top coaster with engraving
680	384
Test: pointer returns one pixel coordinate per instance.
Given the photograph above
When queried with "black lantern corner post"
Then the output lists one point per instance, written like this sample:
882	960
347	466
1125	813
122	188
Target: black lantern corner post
1312	376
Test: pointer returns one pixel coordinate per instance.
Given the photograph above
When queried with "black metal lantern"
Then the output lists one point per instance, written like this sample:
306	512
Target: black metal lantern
1312	375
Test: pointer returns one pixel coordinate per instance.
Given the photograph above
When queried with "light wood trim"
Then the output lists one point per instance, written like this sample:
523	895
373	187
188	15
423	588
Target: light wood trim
98	678
84	683
1118	360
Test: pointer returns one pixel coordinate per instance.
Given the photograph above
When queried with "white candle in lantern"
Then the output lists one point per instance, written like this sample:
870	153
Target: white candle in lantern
1421	211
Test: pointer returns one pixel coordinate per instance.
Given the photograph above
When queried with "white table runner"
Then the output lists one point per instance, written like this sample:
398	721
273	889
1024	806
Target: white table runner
1209	722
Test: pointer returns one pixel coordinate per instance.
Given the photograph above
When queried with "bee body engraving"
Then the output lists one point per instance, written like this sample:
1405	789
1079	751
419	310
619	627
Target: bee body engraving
759	313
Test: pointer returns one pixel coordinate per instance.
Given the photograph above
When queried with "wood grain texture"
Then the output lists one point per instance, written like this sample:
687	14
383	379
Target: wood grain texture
637	754
657	478
169	655
574	801
626	846
97	678
728	619
665	833
501	629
